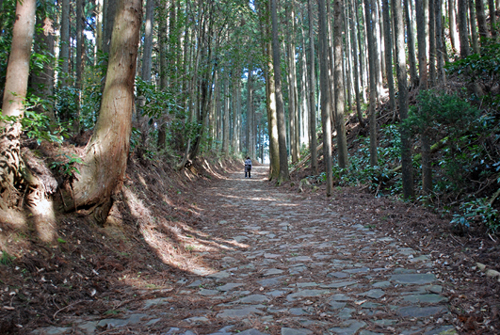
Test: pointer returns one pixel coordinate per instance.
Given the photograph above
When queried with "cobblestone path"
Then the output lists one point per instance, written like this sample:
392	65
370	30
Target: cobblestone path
292	266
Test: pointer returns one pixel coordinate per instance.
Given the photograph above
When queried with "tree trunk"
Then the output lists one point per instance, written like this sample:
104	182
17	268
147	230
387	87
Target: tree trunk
107	151
225	127
355	66
109	19
313	143
454	37
462	28
16	84
432	44
481	22
388	55
250	116
164	73
64	44
373	89
493	19
236	111
293	100
473	27
325	99
440	45
411	45
283	175
422	45
339	85
403	100
362	51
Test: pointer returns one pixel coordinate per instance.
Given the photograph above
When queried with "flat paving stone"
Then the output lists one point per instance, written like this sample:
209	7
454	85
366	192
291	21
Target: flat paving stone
425	298
253	299
420	312
349	327
51	331
252	332
228	287
306	294
414	278
374	294
239	313
293	331
273	272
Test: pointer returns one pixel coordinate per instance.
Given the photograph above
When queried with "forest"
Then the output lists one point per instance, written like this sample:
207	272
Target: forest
398	99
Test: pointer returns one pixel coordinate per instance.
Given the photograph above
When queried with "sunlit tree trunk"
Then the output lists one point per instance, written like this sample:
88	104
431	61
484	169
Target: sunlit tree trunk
283	175
407	170
106	153
292	83
16	84
338	8
452	17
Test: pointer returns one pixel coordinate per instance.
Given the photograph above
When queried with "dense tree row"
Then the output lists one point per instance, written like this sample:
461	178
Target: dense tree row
176	79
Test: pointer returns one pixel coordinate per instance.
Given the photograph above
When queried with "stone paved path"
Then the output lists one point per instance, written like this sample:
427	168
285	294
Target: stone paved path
292	266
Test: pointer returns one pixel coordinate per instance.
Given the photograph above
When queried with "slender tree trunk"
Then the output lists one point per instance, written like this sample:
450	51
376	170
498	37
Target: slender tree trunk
462	28
16	85
225	128
64	44
312	92
284	175
236	114
325	100
473	27
403	100
411	45
355	66
106	154
250	116
272	117
362	42
164	69
373	89
493	19
432	44
339	85
388	55
377	45
440	46
292	84
452	14
422	45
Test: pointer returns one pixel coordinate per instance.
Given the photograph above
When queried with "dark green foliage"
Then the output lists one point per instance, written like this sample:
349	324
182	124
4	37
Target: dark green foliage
477	211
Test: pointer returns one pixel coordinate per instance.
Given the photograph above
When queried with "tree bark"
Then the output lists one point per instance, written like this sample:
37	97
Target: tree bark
283	175
355	66
339	85
313	142
16	84
432	44
462	28
484	34
440	45
373	89
411	45
493	19
107	151
325	99
408	191
388	54
293	102
473	27
452	14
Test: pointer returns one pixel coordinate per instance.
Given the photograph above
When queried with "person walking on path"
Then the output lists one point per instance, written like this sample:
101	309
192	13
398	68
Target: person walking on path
248	167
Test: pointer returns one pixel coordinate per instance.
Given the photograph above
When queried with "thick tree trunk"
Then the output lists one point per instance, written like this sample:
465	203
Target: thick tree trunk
293	102
481	22
422	45
325	99
16	84
462	28
493	19
313	142
283	175
339	85
106	154
403	99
